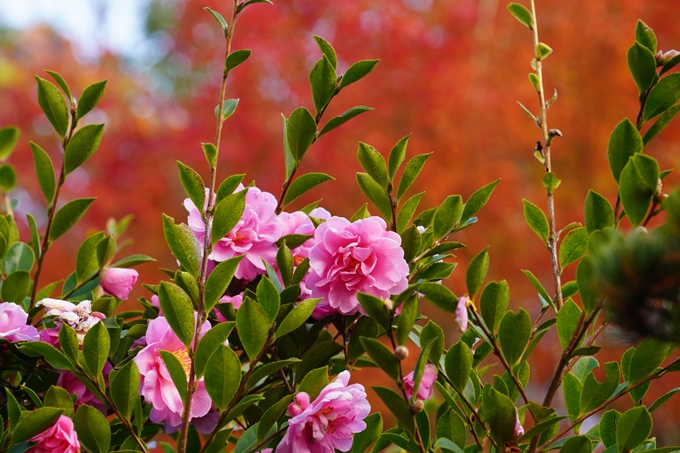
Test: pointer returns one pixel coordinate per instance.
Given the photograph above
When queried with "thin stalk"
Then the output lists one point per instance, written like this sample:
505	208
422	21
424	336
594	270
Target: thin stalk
207	244
547	139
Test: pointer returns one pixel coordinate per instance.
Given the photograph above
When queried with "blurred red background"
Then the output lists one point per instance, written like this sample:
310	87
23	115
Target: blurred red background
450	74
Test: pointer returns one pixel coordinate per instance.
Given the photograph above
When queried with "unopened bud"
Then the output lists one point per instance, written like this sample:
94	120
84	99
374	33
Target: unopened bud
389	304
662	58
401	352
418	406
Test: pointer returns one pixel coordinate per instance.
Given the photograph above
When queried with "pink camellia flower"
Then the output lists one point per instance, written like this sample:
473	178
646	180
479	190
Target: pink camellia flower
157	387
518	431
254	235
72	384
462	314
60	438
329	422
80	317
351	257
426	383
13	327
300	223
118	281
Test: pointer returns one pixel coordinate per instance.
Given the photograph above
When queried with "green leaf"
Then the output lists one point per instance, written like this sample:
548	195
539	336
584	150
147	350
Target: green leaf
35	237
86	261
539	428
364	439
212	339
193	185
397	155
59	398
90	98
543	295
228	108
253	326
52	103
411	172
19	257
223	376
227	214
567	319
624	142
68	215
598	212
660	124
82	146
183	244
8	178
587	288
133	260
458	365
382	356
263	371
550	182
61	82
210	152
296	317
52	355
305	183
178	310
543	50
396	404
633	428
410	242
314	382
522	14
218	17
374	164
268	298
447	216
636	197
322	82
500	414
375	308
375	193
407	210
536	83
178	372
407	318
577	444
236	58
645	36
648	169
327	50
316	356
96	347
341	119
16	287
477	201
493	304
514	334
432	333
476	272
440	296
357	71
68	340
9	136
595	393
300	131
607	430
663	96
663	399
642	65
93	429
647	357
573	246
572	388
219	280
34	423
271	416
536	220
125	387
44	170
286	264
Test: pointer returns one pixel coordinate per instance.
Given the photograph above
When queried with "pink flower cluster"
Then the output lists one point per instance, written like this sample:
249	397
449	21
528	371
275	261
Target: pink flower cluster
329	422
60	438
13	327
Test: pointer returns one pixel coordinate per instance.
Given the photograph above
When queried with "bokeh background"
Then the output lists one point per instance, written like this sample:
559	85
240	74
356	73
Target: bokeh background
450	74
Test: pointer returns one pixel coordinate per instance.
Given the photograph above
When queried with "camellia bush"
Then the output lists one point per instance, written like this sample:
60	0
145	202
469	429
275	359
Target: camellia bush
251	341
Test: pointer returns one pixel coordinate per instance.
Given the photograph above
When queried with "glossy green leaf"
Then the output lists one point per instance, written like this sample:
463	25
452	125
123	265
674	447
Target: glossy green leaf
9	136
577	444
514	334
268	298
236	58
567	320
607	427
624	142
375	308
572	388
68	215
271	416
298	316
82	146
364	439
93	429
477	200
493	304
447	216
633	428
357	71
660	124
396	404
587	286
543	51
327	50
253	326
499	414
314	382
53	105
228	108
536	220
305	183
68	340
193	185
322	82
373	163
222	376
432	333
397	156
375	193
407	210
598	212
661	400
382	356
19	257
16	287
59	398
178	311
219	280
178	371
52	355
439	295
636	197
44	170
458	365
35	422
522	14
595	393
642	65
647	357
407	318
96	347
411	172
218	17
125	388
550	182
663	96
476	272
645	36
86	261
300	131
212	339
341	119
573	246
90	98
227	214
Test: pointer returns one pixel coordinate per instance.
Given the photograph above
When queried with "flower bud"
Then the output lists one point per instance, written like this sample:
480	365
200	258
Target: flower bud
117	281
401	352
418	406
662	58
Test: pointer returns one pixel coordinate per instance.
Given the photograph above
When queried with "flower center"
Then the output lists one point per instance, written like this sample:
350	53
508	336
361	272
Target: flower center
183	357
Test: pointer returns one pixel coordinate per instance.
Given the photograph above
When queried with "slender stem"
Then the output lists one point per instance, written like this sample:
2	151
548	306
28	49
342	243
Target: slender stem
267	439
651	377
8	205
207	244
547	139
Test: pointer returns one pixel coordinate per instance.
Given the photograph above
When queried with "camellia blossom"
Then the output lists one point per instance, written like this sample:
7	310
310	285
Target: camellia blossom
157	386
462	314
59	438
72	384
13	327
118	281
80	317
254	235
351	257
426	383
329	422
